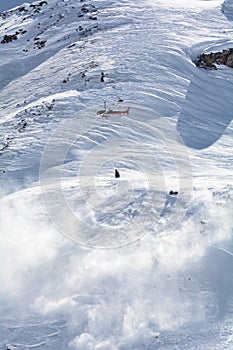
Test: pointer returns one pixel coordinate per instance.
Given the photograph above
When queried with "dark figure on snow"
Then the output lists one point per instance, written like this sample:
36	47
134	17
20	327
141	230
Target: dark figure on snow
117	174
102	77
175	193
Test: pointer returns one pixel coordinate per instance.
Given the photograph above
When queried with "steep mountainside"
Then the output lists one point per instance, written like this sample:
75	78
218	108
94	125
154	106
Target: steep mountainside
91	262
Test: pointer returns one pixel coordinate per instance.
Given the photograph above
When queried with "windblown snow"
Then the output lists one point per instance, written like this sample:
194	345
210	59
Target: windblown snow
91	262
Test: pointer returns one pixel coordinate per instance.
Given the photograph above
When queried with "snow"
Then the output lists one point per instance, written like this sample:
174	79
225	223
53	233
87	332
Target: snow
201	127
94	262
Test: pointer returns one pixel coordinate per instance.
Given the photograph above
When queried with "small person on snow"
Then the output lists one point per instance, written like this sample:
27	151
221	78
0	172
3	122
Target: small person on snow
102	77
117	174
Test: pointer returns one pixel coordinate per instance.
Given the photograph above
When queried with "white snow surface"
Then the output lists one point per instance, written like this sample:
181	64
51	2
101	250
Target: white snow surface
90	262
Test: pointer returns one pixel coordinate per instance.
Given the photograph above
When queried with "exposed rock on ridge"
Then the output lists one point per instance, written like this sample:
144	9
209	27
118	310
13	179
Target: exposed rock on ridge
209	60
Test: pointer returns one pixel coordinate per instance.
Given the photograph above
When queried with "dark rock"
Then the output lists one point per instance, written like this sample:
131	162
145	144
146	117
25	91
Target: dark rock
4	147
209	60
22	9
39	44
83	74
85	10
8	38
22	31
22	125
173	193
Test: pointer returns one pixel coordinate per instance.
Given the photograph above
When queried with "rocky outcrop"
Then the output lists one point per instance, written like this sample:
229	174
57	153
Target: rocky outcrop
8	38
34	8
210	60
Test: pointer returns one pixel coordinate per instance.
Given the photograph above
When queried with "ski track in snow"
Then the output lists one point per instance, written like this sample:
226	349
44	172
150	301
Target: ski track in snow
172	289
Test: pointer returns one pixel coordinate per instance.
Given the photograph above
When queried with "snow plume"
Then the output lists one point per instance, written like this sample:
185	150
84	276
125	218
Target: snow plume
121	298
29	243
168	282
81	195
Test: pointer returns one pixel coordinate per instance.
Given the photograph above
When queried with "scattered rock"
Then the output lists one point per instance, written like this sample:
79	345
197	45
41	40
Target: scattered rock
22	125
22	9
39	44
83	74
173	193
11	347
41	3
50	107
11	37
209	60
92	65
21	31
4	147
84	9
8	38
72	45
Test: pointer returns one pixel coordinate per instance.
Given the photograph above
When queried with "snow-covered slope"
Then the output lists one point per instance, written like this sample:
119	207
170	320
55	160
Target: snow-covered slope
163	277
